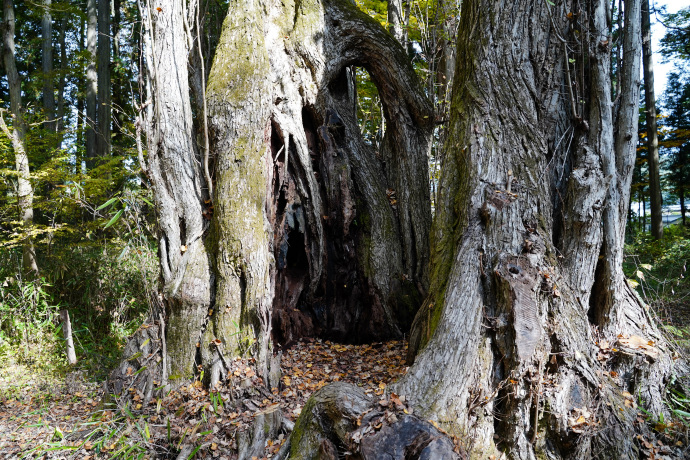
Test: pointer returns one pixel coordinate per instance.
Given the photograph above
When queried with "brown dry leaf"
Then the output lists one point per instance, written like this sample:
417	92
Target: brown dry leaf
636	342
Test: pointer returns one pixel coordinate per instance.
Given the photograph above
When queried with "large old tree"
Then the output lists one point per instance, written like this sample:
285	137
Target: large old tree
309	231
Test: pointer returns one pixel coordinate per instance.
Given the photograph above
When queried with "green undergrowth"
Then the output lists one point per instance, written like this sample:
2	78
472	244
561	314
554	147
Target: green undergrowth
658	270
105	286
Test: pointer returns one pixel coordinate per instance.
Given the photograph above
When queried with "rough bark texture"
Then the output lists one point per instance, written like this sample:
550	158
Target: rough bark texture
395	19
310	231
17	135
171	353
521	301
314	226
652	137
340	420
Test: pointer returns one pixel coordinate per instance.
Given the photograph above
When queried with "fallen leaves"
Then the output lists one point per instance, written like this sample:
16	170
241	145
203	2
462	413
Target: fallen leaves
310	365
192	413
637	343
580	419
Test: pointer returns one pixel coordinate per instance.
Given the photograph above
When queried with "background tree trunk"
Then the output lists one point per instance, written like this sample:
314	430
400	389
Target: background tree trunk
652	138
396	21
62	82
67	335
47	66
517	335
25	191
104	81
91	81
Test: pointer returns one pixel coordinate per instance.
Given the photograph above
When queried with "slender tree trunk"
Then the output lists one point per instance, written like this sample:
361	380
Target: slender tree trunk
67	335
681	194
652	138
448	27
62	82
118	84
104	81
81	107
518	298
17	134
91	81
396	20
47	66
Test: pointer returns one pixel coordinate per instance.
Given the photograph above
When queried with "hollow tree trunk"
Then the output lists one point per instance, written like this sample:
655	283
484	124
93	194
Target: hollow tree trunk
316	232
310	232
507	342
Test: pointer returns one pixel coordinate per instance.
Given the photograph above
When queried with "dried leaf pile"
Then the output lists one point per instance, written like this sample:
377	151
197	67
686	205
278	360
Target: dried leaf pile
74	425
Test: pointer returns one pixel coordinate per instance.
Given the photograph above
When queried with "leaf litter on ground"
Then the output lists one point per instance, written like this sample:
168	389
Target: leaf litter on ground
72	422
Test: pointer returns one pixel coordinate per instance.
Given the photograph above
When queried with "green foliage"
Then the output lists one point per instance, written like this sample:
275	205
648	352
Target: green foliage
28	335
105	280
369	110
676	41
658	271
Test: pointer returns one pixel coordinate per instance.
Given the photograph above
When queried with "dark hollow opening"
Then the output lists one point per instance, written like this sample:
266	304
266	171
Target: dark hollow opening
340	304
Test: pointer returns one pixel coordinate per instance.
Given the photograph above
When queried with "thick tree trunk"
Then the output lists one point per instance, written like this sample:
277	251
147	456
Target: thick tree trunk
91	81
104	100
652	138
312	233
17	135
320	234
516	340
47	65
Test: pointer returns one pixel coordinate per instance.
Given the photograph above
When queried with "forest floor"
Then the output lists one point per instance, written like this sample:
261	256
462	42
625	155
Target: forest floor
44	418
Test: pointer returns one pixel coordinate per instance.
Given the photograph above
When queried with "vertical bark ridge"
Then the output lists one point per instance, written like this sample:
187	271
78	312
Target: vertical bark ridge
174	171
328	200
527	178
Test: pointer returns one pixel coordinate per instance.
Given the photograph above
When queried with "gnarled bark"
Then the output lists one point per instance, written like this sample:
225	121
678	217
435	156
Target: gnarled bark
310	231
315	229
521	300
